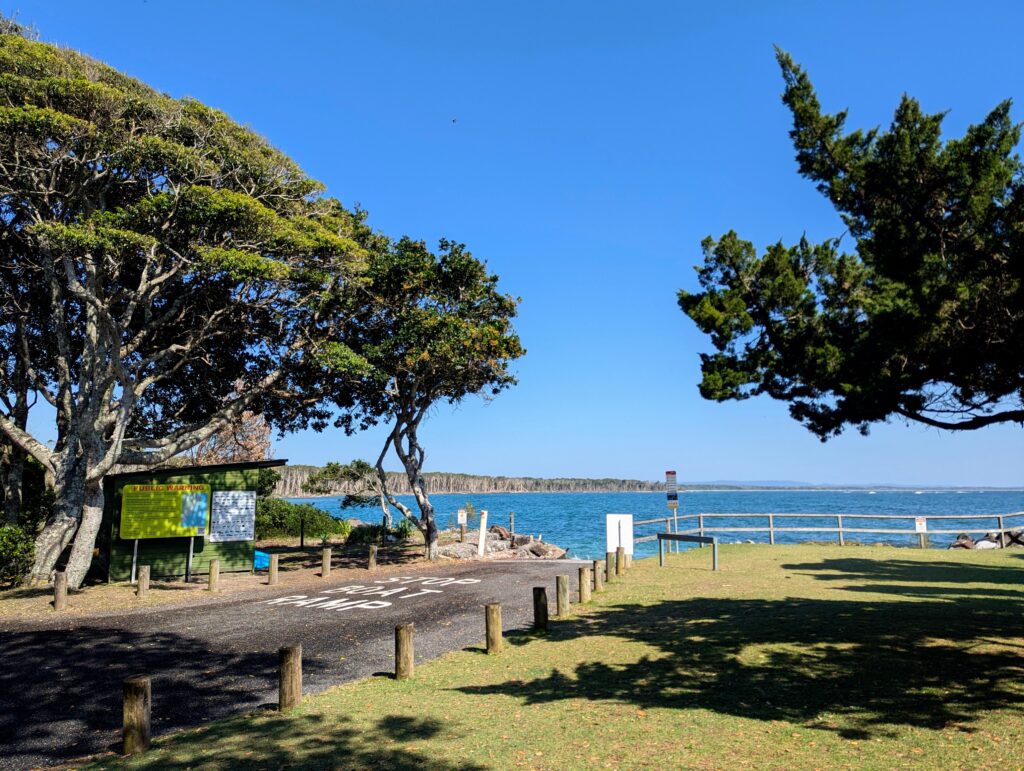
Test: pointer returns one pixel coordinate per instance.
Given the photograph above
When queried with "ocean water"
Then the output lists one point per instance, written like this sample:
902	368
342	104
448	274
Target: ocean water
576	520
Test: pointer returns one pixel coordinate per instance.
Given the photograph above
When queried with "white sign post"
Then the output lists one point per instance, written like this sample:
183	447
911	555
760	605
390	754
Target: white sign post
232	516
482	546
619	532
921	524
672	493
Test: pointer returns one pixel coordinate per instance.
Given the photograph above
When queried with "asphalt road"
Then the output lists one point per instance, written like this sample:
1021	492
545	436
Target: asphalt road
60	683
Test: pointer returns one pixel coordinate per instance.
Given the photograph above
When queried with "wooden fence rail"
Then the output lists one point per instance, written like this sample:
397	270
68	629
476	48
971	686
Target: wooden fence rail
705	524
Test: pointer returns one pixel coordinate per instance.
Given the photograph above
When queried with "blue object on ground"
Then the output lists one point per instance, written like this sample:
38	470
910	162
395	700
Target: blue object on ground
261	560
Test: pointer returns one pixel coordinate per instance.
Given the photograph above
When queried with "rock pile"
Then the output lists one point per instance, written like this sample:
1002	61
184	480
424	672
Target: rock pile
1014	537
501	544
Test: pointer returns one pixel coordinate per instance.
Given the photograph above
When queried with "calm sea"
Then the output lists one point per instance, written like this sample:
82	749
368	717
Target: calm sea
576	520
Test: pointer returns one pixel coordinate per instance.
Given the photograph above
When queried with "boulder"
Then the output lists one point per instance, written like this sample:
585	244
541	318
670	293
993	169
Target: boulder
963	541
545	551
501	532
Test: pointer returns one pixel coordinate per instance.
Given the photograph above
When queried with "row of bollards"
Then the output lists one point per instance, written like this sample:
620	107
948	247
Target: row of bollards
137	727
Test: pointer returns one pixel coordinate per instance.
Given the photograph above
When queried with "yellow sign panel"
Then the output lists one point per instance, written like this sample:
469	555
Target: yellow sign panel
164	511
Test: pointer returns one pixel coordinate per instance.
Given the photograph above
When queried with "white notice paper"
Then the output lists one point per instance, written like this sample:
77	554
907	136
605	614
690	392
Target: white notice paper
233	515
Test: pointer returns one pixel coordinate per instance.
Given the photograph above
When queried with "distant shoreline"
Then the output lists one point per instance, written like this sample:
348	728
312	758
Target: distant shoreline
692	490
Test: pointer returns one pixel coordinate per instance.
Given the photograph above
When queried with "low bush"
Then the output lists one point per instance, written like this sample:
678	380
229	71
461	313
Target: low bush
276	519
17	550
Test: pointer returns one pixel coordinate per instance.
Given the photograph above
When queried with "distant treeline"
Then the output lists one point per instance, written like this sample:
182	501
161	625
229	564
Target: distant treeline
293	477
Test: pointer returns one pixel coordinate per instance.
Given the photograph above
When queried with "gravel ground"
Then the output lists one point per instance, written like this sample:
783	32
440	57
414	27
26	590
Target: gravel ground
60	684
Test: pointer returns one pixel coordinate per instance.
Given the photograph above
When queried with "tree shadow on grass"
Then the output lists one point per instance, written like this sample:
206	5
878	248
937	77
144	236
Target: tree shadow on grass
307	741
855	668
911	571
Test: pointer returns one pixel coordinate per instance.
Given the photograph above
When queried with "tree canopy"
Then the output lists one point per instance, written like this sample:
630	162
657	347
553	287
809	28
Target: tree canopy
923	320
429	328
163	273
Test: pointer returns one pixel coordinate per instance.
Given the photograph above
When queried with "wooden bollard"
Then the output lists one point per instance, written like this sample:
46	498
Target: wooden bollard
371	561
138	697
290	676
214	575
325	567
584	584
629	561
562	595
404	660
609	566
540	608
598	576
60	591
620	561
142	587
272	572
493	616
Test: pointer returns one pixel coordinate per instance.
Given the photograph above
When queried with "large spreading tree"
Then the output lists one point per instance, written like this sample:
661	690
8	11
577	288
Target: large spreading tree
162	274
922	320
425	329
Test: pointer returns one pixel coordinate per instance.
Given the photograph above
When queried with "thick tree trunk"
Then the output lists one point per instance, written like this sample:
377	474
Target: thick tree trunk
13	478
61	526
85	538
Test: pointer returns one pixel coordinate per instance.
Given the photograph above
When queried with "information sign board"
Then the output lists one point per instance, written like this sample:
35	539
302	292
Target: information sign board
672	489
164	511
619	531
920	524
233	516
462	517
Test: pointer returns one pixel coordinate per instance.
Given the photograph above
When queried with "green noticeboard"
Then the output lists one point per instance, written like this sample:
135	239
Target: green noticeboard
164	511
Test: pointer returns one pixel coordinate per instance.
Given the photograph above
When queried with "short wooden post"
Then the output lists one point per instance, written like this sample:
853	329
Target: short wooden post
214	575
620	561
540	608
290	676
584	584
771	529
142	587
60	591
135	731
1002	533
371	561
562	595
609	565
714	554
325	568
493	617
404	661
661	553
839	522
462	533
629	561
272	573
598	576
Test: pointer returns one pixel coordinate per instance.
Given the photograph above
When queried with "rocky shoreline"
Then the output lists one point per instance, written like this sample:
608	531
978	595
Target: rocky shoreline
501	544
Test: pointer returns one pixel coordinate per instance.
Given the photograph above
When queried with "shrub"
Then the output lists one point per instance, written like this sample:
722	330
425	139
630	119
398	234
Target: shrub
276	518
367	534
17	550
404	528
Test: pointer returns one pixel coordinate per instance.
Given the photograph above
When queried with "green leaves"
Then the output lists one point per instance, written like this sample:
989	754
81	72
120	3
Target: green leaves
921	319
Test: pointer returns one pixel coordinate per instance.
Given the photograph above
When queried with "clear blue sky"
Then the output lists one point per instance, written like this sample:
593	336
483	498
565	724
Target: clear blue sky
594	145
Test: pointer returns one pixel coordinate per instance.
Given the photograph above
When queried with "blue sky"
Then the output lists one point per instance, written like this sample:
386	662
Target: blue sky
583	149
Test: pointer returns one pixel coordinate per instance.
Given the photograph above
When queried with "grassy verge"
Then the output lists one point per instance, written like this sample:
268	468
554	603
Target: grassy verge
789	657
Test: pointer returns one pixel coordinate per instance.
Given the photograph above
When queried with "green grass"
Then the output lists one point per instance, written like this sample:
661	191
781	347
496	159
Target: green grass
789	657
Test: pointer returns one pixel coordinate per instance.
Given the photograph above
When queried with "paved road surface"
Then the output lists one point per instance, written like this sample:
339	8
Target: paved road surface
60	683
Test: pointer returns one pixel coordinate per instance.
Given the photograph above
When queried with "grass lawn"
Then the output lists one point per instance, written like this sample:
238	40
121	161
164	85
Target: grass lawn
789	657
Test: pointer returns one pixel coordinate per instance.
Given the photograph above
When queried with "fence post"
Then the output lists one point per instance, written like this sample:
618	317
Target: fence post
771	529
142	587
839	521
462	533
562	596
135	714
1002	533
60	591
661	553
214	577
598	576
609	563
325	569
584	584
272	572
921	542
289	677
493	617
714	555
620	561
371	561
540	608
